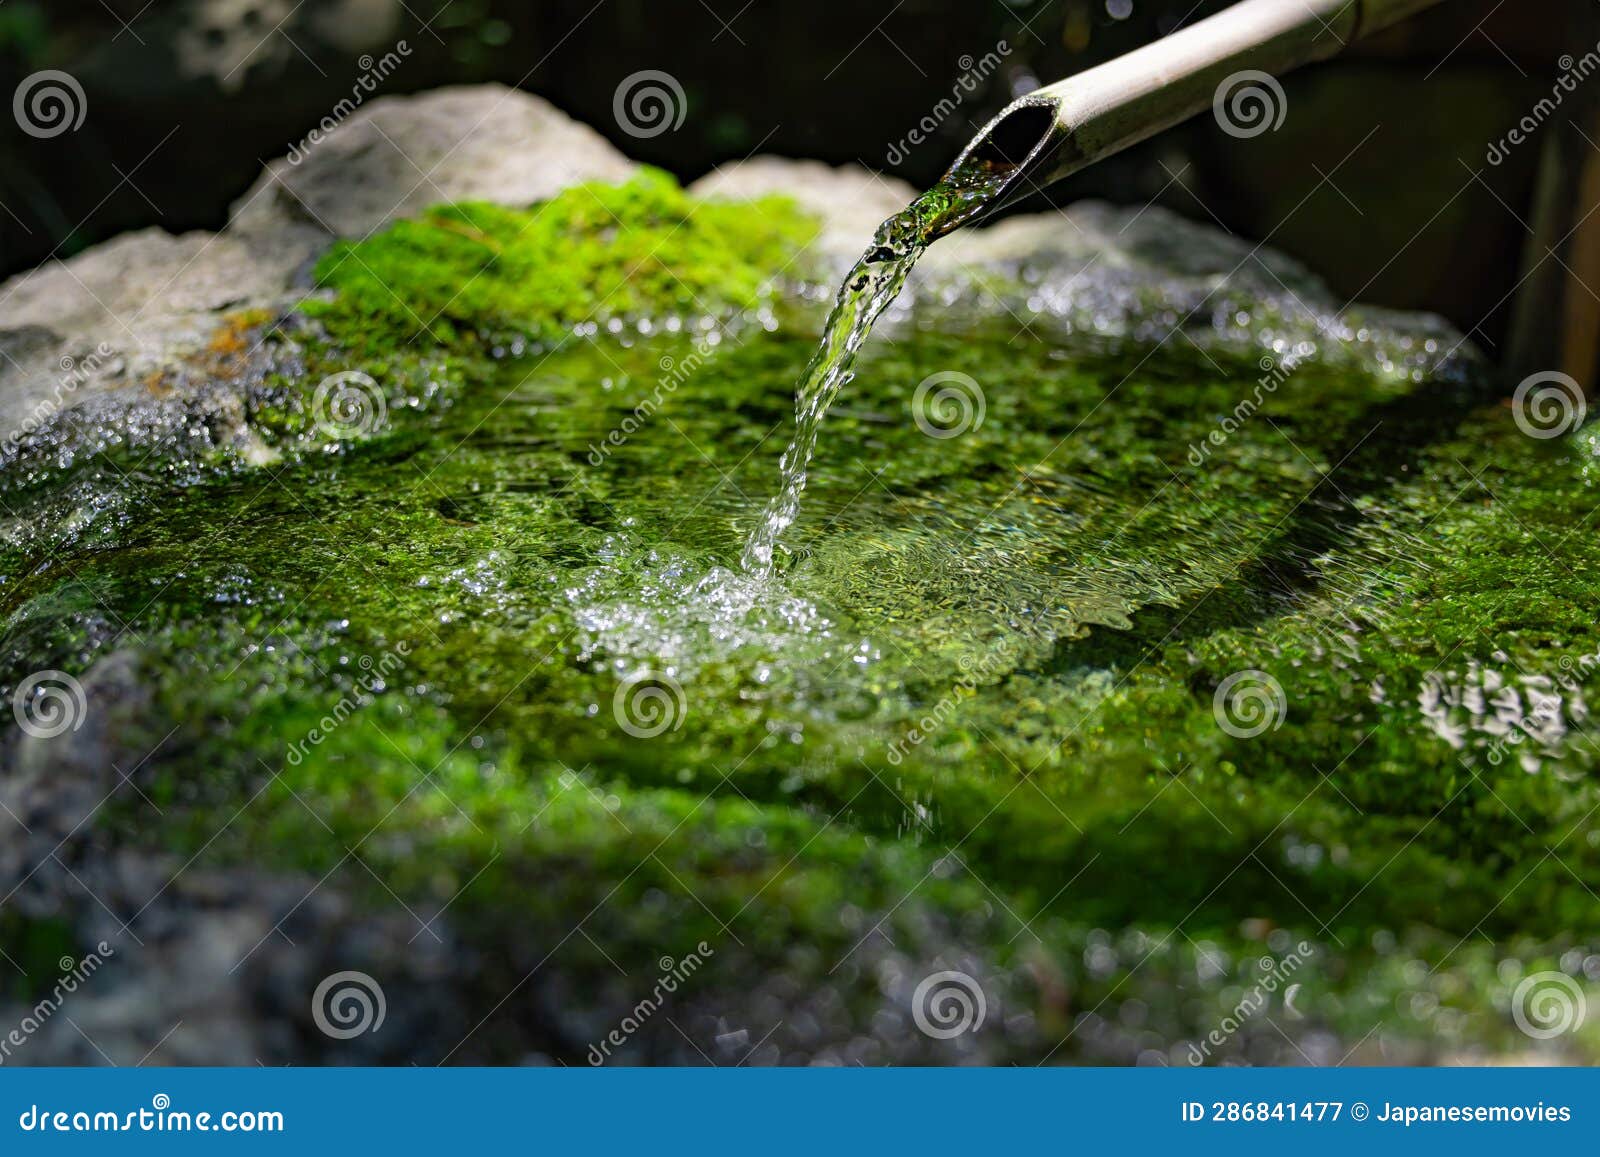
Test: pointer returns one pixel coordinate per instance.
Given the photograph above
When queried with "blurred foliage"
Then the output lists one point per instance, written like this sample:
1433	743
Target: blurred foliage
24	32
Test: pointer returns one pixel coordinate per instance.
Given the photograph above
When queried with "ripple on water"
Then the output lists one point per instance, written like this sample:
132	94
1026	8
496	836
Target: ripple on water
1500	716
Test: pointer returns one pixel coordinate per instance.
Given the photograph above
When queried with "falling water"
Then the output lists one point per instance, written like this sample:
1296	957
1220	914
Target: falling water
875	281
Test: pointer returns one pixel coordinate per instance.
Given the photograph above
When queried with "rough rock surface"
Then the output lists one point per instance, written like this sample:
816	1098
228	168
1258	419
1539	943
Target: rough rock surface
111	316
402	154
1094	268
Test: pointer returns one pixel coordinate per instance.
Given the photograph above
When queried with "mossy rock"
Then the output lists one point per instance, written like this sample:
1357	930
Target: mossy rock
1115	735
593	255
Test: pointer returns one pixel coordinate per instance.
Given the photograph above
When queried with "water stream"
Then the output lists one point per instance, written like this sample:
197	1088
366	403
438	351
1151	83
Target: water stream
874	282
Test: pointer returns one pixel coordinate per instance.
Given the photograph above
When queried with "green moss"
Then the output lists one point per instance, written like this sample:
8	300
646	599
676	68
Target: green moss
594	253
413	652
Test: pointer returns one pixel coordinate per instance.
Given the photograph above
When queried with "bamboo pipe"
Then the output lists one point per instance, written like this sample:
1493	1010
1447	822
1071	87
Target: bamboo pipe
1054	131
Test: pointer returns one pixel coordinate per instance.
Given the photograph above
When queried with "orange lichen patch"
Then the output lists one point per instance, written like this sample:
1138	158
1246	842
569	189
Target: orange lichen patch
227	342
237	333
231	343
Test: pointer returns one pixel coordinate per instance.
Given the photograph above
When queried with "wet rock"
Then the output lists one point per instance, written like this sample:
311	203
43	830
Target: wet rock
123	315
226	968
223	965
119	320
62	766
1097	270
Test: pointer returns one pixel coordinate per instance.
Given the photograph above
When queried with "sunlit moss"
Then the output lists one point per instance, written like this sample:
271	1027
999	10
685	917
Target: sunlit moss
1074	814
592	254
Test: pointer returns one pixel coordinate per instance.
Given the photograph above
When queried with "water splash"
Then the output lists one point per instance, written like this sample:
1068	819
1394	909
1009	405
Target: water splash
874	282
682	611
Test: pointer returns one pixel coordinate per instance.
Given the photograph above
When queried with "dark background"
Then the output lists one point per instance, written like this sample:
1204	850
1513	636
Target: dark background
1377	177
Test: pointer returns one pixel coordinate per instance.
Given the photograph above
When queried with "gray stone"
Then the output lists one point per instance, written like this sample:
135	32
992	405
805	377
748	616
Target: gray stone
111	319
399	155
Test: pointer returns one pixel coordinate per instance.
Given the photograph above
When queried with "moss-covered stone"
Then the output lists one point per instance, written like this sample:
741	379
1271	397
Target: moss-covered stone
594	254
975	724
